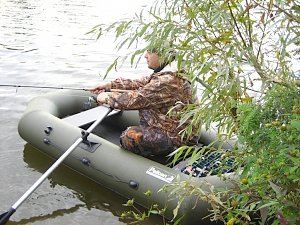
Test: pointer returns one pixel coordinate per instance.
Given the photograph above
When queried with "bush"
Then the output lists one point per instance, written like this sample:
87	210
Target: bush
241	57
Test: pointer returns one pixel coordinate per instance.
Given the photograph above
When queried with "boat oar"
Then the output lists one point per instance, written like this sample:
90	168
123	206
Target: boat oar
53	87
84	134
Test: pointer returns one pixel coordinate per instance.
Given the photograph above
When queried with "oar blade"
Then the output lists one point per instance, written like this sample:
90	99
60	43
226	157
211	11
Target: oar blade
5	216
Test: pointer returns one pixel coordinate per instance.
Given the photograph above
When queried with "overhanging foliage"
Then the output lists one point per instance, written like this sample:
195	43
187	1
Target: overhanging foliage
242	58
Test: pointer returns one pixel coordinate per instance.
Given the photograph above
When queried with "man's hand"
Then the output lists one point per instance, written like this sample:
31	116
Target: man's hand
102	98
101	87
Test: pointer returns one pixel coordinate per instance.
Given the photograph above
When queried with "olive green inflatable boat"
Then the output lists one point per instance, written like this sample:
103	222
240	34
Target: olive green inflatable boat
53	122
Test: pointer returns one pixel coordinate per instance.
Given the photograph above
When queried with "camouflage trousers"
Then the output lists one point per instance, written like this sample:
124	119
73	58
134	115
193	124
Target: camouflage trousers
146	141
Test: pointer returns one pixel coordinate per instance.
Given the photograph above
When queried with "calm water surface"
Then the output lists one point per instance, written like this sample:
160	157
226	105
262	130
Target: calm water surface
44	43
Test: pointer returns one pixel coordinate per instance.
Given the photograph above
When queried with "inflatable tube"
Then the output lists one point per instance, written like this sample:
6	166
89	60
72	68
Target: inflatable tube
101	159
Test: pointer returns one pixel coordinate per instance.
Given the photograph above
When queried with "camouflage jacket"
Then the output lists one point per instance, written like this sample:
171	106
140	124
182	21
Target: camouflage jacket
154	96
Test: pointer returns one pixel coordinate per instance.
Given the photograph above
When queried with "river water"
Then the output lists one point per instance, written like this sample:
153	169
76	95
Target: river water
45	43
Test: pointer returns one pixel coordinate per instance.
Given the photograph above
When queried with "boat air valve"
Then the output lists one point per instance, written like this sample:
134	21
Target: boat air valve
133	184
48	130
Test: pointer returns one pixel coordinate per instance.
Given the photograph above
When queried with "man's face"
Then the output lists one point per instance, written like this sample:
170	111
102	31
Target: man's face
153	60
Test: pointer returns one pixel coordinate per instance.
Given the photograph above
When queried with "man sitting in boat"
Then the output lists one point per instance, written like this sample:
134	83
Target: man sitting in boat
154	96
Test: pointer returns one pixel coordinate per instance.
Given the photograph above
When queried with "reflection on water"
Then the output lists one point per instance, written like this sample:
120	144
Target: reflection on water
54	214
83	189
45	43
87	193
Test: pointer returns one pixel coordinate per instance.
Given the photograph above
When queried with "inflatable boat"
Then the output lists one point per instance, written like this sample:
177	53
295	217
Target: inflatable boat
54	121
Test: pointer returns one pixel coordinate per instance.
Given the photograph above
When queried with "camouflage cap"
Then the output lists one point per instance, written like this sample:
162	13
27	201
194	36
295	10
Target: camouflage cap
166	50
